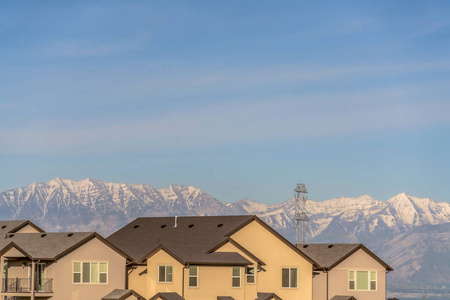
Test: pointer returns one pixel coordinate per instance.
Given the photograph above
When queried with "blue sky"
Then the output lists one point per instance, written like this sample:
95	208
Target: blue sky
239	98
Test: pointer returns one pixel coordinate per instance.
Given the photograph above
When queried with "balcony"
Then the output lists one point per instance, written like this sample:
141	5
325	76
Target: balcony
23	285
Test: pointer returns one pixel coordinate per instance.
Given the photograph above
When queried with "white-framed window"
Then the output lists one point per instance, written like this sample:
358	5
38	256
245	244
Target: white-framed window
250	273
165	273
90	272
289	277
236	277
362	280
193	276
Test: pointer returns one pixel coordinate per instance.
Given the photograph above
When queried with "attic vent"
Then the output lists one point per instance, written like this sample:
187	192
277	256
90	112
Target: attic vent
305	246
191	225
70	234
163	226
11	235
44	234
330	246
4	226
219	225
135	226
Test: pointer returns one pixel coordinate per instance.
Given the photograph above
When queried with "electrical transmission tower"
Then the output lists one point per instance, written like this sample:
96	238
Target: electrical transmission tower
300	217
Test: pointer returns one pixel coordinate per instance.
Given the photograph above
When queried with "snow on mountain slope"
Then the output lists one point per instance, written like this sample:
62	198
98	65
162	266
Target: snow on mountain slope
392	229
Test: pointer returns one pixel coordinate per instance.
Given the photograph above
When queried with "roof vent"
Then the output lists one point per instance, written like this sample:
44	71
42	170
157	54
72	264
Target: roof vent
219	225
191	225
305	246
330	246
135	226
44	234
176	221
163	226
70	234
4	226
11	235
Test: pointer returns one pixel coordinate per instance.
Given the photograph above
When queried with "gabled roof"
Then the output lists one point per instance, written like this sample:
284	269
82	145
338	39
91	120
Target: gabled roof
343	298
190	240
193	257
268	296
13	226
329	256
167	296
50	246
122	294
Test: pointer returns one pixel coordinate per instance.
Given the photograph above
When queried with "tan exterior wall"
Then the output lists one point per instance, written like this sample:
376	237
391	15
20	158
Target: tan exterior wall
153	286
320	287
276	254
62	272
213	281
338	278
93	251
250	288
137	280
27	229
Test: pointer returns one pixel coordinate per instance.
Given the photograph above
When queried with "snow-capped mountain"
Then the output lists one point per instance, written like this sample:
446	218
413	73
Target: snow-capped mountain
409	233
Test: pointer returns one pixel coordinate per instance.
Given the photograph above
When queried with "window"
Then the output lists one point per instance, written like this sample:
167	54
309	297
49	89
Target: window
236	277
193	276
351	280
362	280
250	271
165	274
90	272
289	277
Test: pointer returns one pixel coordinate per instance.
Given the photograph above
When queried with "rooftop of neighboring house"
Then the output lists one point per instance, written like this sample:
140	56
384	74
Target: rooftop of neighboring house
188	239
48	246
15	225
330	255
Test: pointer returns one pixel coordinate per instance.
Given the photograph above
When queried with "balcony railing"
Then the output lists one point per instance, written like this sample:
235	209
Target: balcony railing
23	285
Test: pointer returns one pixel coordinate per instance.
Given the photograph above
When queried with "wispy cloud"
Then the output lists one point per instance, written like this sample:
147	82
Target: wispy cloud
89	47
230	123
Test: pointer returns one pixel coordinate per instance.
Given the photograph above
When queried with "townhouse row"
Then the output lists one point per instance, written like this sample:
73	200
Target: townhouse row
191	258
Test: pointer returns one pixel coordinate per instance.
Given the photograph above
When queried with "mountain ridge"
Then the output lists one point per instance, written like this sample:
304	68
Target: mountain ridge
94	205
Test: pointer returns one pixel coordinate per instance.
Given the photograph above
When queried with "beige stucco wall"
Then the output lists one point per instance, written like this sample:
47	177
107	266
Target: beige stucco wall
213	281
27	229
250	289
320	286
276	254
137	280
338	278
93	251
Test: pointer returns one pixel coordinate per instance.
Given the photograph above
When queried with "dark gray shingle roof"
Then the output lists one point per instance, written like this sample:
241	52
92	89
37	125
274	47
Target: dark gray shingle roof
225	298
330	255
189	241
14	225
338	297
122	294
326	256
167	296
268	296
44	245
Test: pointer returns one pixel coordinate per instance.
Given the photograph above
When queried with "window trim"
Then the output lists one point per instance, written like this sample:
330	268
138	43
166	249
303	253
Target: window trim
81	262
165	275
193	276
233	277
247	275
369	283
297	282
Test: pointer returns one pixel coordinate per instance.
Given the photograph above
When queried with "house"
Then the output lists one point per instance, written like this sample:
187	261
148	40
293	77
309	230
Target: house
213	257
59	266
346	271
15	226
